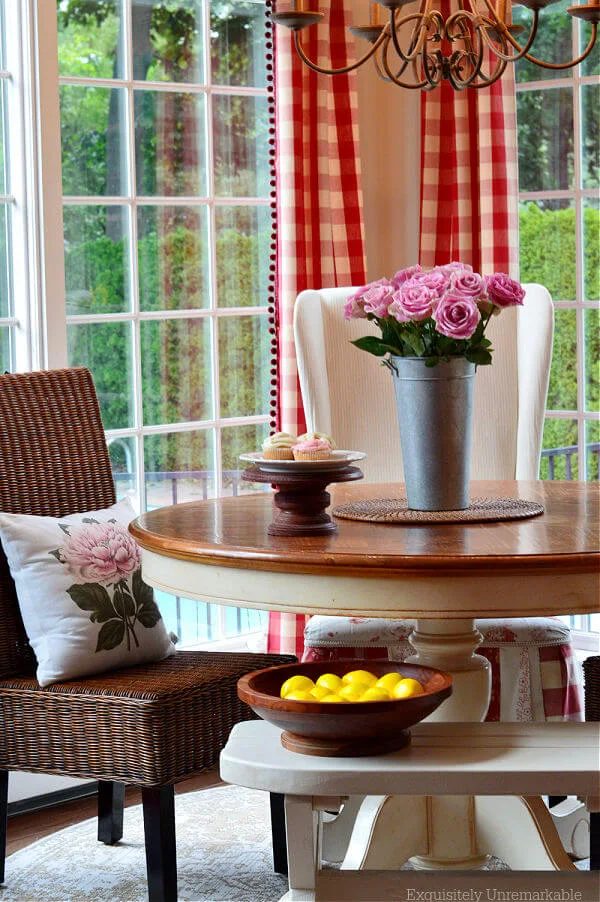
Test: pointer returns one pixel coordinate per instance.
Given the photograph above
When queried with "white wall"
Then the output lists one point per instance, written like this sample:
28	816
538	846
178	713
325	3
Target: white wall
389	125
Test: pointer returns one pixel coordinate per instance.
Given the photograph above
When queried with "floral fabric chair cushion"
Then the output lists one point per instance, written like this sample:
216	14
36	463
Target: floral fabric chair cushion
535	673
83	602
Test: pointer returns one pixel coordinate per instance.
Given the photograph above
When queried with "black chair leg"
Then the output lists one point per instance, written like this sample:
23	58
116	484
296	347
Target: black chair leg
111	797
159	830
3	819
280	863
594	840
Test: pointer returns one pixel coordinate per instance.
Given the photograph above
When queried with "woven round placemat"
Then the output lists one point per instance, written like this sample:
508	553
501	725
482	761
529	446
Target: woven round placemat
396	510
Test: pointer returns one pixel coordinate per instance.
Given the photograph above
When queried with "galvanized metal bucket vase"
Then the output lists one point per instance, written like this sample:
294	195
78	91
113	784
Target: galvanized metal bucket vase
435	416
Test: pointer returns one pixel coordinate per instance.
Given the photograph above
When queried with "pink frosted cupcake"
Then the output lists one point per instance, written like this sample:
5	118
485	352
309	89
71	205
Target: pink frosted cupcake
312	449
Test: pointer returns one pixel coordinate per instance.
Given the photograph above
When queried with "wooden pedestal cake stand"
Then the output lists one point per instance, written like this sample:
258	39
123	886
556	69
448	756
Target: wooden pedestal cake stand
300	499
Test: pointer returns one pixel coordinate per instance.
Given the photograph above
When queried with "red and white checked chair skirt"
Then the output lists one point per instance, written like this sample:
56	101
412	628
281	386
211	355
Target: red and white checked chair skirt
535	673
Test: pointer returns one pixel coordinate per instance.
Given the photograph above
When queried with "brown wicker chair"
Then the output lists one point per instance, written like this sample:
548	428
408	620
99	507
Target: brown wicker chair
149	726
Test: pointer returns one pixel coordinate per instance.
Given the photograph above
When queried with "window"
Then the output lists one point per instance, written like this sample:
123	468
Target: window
559	180
7	319
164	157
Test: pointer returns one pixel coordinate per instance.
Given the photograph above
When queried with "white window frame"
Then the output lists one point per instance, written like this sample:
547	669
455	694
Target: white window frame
39	319
584	638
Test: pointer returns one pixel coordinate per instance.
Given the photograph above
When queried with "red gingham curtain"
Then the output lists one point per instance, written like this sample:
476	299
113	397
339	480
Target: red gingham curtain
320	234
469	179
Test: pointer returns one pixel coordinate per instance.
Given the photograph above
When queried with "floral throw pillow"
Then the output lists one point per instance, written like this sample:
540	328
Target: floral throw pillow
83	602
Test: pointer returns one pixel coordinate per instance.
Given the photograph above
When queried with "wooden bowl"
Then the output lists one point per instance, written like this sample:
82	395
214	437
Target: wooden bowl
345	729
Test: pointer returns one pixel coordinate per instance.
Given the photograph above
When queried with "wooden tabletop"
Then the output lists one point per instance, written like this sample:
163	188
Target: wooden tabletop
232	532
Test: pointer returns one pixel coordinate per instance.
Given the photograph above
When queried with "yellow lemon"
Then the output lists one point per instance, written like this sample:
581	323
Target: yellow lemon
300	695
319	692
360	676
353	692
406	688
376	694
332	697
388	681
330	681
296	682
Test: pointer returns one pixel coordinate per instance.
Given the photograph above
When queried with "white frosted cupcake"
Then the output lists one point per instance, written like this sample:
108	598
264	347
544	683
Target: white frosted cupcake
279	446
319	435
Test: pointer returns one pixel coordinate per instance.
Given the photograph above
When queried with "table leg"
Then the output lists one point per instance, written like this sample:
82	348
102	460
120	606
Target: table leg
450	645
304	848
455	832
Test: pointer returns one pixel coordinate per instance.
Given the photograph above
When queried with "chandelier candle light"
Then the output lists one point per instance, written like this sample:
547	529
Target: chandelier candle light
432	339
470	48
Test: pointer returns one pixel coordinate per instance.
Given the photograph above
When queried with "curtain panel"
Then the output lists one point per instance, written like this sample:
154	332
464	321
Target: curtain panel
320	233
469	175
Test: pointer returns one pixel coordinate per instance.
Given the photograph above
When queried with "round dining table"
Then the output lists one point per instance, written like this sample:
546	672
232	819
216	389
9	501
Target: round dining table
443	575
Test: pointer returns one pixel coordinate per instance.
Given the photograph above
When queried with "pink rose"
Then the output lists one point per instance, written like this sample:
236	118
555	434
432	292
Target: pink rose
448	268
354	307
378	298
456	315
469	283
404	275
416	299
436	281
100	553
397	310
504	291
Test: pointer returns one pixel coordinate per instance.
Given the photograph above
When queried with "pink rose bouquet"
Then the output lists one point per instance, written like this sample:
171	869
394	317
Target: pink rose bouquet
438	314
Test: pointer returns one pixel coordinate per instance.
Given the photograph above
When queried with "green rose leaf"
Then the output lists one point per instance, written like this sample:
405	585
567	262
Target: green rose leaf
432	361
111	635
123	603
142	592
479	356
148	613
93	597
371	344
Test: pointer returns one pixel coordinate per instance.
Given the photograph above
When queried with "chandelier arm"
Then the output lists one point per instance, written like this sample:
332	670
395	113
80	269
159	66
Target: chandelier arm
418	36
395	78
343	70
379	68
486	81
458	83
522	50
575	62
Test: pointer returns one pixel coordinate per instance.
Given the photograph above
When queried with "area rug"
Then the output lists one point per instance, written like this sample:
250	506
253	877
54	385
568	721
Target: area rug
223	855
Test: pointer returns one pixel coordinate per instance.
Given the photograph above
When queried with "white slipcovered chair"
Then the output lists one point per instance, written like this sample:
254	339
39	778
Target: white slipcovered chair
345	392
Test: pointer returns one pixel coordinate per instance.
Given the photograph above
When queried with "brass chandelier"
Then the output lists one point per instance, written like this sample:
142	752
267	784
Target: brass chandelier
470	48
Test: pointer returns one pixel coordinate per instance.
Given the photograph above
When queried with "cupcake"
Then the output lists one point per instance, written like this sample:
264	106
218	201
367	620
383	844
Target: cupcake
312	449
279	446
321	435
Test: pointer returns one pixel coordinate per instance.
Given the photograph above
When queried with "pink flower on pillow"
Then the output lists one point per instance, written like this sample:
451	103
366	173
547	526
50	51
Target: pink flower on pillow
504	291
100	553
456	316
